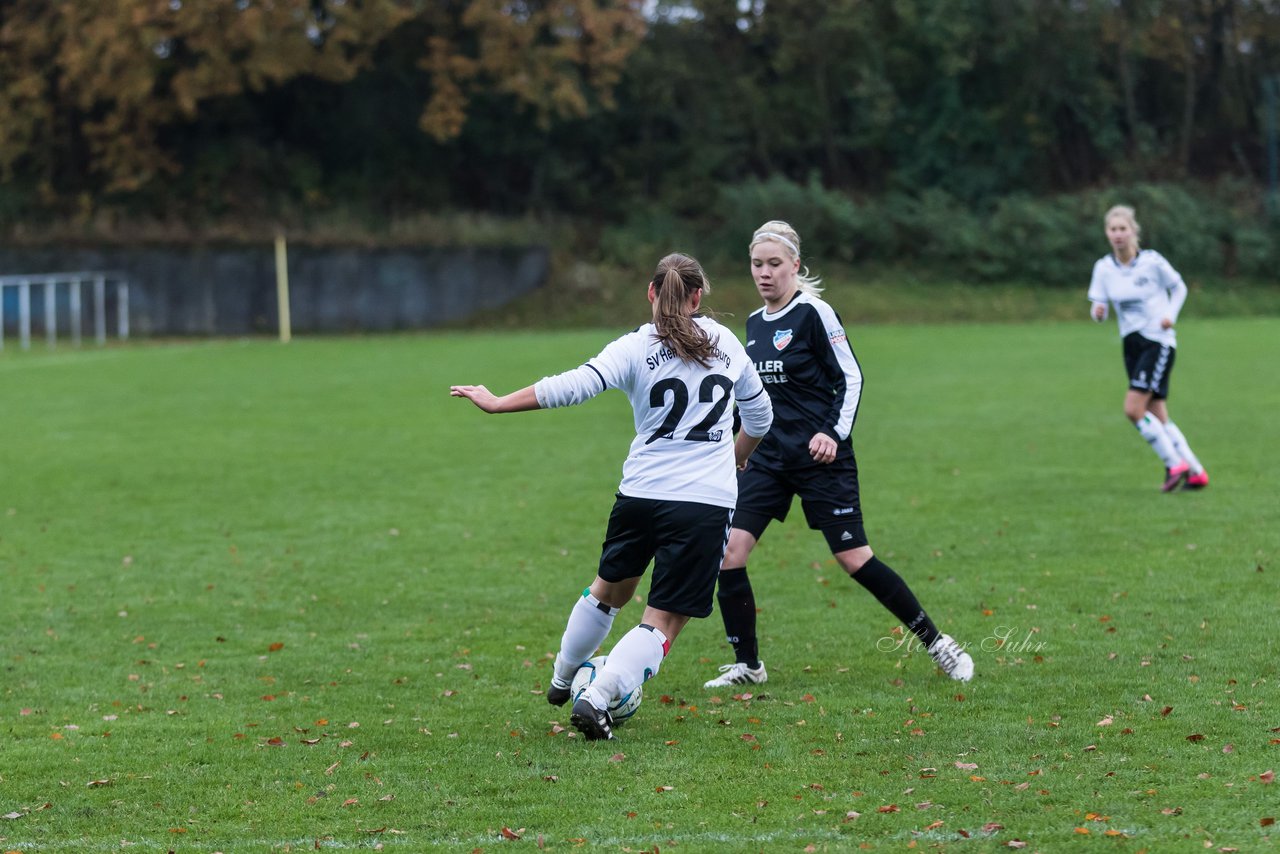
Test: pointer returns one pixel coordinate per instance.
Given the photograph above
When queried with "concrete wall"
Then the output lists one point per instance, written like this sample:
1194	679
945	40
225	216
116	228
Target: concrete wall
232	291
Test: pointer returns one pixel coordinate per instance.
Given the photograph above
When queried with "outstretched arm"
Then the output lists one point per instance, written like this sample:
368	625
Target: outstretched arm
518	401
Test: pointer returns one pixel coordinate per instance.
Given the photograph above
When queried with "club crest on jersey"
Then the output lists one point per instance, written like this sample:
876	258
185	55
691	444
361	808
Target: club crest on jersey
782	338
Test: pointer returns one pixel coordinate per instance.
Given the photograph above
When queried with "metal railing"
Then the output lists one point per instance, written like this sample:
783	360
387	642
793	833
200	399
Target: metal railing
47	285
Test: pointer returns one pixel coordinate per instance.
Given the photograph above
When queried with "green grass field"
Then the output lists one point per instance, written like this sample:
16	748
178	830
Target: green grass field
261	597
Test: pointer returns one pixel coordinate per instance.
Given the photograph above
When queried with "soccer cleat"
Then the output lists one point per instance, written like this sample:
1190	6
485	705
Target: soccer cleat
1174	477
953	660
738	674
1199	480
557	694
595	724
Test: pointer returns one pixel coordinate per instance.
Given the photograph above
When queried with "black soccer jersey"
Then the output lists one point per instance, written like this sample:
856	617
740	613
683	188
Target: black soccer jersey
811	374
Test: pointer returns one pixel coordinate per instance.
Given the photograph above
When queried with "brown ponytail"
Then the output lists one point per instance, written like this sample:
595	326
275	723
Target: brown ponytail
674	282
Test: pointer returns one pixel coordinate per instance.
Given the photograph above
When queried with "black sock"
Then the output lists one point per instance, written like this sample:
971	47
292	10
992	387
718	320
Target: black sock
893	593
738	610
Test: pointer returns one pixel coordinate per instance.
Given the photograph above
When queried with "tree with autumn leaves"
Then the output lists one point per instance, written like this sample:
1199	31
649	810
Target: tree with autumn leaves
623	111
91	88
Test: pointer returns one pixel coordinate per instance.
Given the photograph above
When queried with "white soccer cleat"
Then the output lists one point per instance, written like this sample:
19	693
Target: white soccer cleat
953	660
739	674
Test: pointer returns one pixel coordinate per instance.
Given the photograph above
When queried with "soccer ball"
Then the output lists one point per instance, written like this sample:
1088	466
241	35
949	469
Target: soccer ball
621	710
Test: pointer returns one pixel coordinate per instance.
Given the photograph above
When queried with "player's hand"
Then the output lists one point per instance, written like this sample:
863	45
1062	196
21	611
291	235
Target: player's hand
1166	323
822	448
1099	313
477	394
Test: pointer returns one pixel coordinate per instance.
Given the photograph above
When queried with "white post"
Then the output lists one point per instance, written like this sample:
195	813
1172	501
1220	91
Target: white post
282	288
50	312
75	312
100	309
122	311
24	313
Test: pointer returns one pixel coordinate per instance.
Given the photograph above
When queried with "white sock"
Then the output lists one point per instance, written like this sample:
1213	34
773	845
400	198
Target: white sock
1153	431
588	626
1181	448
633	660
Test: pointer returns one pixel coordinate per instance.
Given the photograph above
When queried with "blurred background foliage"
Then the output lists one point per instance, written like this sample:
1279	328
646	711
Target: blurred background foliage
978	139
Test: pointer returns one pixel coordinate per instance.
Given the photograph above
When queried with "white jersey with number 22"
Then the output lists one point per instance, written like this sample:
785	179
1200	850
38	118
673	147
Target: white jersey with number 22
683	449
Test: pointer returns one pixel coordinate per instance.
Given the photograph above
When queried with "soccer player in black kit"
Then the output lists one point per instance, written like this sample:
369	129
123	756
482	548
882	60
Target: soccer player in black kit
813	378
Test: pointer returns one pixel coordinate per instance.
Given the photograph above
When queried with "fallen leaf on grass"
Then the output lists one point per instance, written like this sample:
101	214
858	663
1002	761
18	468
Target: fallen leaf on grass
1267	776
617	757
1015	843
1266	822
888	808
350	802
992	827
935	825
95	784
1194	737
508	833
329	771
1106	721
967	766
13	815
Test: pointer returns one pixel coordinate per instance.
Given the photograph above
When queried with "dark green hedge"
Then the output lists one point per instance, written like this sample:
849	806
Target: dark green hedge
1220	230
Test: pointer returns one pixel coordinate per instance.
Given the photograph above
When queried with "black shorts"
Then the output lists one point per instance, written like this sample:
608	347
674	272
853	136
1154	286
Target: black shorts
686	542
828	496
1149	364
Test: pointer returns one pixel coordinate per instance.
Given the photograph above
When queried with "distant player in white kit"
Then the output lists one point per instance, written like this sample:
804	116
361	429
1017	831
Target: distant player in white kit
1147	294
682	373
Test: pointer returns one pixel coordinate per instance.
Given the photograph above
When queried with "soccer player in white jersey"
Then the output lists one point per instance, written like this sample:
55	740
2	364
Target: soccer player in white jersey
1147	294
682	373
803	356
